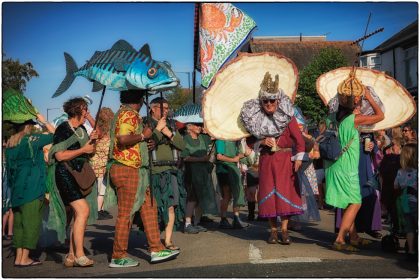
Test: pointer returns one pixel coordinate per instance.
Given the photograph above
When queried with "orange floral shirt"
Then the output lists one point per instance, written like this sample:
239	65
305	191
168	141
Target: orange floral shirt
127	124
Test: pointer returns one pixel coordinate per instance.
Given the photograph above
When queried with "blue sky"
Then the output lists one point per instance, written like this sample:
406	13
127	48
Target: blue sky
41	32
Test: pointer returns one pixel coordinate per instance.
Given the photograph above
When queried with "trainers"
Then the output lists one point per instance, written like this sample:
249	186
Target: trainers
190	229
238	224
200	228
104	215
224	223
163	255
123	262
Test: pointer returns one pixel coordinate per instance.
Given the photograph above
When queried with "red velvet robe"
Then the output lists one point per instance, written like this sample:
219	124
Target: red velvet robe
279	193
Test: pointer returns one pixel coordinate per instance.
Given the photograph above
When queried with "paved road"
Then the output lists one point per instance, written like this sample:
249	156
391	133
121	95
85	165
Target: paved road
225	253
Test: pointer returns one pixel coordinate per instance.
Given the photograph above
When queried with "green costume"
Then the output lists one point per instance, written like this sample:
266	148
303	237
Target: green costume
230	171
198	174
167	180
26	175
57	218
342	176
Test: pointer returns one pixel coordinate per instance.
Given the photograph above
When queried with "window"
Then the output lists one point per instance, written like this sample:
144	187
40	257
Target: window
363	61
375	60
410	64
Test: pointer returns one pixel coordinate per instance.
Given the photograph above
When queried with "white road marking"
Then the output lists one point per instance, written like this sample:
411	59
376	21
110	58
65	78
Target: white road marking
255	257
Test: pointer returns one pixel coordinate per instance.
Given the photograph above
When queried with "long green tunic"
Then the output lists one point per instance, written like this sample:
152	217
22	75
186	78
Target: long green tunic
199	173
26	169
342	176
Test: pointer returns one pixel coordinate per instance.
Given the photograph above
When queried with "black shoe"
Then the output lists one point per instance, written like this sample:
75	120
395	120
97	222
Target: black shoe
238	224
251	218
104	215
224	223
205	219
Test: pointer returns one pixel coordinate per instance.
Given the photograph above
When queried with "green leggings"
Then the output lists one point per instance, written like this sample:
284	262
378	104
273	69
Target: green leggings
27	224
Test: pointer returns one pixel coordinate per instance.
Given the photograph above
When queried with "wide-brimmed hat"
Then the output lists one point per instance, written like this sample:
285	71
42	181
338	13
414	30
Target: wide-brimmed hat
238	82
17	108
190	113
399	106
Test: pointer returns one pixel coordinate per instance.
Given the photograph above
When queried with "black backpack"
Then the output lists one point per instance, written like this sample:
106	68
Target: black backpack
329	146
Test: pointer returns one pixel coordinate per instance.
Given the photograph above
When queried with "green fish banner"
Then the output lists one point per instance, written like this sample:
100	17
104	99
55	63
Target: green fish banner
17	108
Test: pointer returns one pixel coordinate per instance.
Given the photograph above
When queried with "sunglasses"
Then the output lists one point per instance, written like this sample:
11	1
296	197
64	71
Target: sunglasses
406	130
271	101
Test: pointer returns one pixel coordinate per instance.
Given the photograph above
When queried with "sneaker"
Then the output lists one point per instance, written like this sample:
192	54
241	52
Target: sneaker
224	223
200	228
163	255
123	262
104	215
238	224
190	229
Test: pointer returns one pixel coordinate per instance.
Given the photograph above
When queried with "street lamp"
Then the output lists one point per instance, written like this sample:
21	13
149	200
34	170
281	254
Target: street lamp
50	109
189	78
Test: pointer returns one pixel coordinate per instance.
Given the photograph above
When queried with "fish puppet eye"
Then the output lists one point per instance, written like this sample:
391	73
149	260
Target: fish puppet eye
151	73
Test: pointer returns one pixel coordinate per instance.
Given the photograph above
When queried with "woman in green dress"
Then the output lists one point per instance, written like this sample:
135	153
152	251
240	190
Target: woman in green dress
198	181
342	178
26	175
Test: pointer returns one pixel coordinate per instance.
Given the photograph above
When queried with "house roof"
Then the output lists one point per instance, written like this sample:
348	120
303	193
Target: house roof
406	36
302	52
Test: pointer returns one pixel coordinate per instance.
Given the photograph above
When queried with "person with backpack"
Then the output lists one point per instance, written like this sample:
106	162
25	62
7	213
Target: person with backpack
342	178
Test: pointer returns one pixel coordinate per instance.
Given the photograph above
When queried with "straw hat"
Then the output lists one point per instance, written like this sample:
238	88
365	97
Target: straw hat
399	105
239	81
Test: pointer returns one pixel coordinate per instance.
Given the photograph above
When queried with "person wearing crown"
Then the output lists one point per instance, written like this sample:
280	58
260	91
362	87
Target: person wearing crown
270	118
342	177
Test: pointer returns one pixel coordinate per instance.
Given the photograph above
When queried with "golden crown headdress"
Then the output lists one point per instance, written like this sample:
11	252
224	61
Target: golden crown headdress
269	89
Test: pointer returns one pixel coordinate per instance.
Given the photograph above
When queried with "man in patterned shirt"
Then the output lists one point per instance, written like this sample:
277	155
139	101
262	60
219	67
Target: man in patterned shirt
129	177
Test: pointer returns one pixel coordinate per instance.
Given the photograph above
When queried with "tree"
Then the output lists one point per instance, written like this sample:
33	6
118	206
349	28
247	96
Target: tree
307	98
179	97
16	75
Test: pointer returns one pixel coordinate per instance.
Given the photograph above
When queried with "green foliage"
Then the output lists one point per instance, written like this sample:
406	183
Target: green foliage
16	75
307	98
181	96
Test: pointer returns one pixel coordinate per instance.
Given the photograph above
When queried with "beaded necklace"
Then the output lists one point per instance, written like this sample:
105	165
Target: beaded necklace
75	132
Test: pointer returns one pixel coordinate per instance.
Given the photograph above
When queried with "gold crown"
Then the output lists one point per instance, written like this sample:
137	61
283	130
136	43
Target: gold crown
351	85
268	85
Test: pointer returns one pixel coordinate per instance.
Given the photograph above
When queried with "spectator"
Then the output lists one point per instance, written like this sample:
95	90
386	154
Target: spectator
100	158
406	183
409	134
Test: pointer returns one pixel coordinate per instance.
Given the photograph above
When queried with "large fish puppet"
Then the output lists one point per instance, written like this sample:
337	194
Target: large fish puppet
121	68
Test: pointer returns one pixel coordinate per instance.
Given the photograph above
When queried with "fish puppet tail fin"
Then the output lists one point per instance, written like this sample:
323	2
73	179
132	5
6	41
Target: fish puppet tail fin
71	68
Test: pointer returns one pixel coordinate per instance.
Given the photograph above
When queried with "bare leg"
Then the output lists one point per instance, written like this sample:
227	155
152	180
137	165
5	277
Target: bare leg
224	203
170	226
347	223
189	211
272	223
100	202
81	214
5	221
284	223
19	252
10	222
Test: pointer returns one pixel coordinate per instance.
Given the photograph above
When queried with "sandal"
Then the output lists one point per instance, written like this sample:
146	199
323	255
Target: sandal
273	239
83	261
344	247
361	242
171	246
285	239
69	262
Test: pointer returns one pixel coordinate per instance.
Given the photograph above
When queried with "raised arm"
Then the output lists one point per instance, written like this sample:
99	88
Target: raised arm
368	120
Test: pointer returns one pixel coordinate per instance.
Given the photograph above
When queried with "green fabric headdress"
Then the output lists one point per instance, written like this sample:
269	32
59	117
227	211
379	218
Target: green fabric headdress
17	108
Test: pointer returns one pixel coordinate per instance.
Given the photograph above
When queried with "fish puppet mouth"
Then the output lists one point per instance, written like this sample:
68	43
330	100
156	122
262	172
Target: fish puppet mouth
164	85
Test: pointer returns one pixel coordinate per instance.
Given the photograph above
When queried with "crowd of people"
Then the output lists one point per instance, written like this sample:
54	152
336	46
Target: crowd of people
174	176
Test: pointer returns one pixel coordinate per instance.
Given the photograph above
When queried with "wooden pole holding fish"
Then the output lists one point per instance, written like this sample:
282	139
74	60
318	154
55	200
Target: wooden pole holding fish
100	106
196	37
